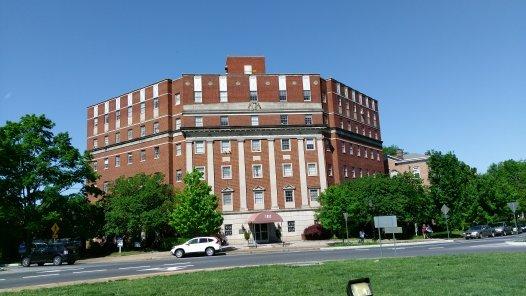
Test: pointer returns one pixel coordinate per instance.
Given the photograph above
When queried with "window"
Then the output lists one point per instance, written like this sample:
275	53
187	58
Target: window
130	158
254	120
248	69
258	197
223	96
285	144
226	172
228	229
143	131
343	146
257	171
225	146
117	161
416	171
118	115
314	193
155	127
350	149
289	195
156	152
324	98
282	95
177	99
341	124
360	172
312	169
198	96
130	134
198	121
201	169
95	143
106	163
106	119
223	120
256	145
291	225
227	200
177	123
345	171
329	169
130	113
365	153
199	147
178	176
359	151
253	96
284	119
309	144
178	150
287	170
155	103
143	155
353	171
143	108
117	137
308	119
106	141
105	186
306	95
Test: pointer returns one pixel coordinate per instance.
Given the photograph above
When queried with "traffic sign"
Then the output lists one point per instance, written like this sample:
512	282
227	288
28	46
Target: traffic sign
444	210
393	230
345	216
513	206
385	221
55	228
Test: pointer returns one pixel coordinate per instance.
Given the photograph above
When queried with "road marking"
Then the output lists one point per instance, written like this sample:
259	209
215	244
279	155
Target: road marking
182	263
57	270
173	268
150	269
40	275
133	267
362	249
87	271
434	248
2	279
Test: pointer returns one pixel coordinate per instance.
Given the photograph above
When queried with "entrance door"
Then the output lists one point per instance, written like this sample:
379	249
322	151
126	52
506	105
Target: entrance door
261	233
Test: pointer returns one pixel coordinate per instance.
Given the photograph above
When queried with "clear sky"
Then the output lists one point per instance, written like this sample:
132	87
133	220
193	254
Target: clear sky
449	75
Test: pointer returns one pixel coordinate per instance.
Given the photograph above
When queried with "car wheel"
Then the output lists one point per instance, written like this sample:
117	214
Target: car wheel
179	253
209	251
26	262
57	260
40	263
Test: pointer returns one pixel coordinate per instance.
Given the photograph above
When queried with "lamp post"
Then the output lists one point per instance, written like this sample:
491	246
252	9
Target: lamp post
346	216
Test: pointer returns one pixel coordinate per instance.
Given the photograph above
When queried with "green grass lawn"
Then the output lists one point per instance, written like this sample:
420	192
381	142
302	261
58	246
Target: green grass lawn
487	274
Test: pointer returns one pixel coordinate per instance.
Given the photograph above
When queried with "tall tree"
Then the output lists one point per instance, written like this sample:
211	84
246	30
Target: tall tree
390	150
35	164
141	203
196	212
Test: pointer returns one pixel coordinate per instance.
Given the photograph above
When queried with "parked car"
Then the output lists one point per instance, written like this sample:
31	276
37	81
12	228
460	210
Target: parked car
56	253
518	229
502	228
206	245
479	231
522	226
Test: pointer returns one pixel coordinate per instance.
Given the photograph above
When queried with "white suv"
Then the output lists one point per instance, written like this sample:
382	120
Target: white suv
207	245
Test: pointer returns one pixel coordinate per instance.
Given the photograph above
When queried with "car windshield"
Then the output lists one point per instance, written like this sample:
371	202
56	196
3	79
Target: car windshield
477	227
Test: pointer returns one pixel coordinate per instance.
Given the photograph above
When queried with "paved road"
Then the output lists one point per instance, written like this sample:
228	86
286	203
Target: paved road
35	275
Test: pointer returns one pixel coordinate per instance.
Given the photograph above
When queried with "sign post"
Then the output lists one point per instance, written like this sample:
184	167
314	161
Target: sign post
120	244
513	208
346	216
393	230
383	222
445	210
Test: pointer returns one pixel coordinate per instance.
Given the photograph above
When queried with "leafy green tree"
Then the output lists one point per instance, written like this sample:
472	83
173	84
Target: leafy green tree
35	165
141	203
196	210
457	185
402	195
390	150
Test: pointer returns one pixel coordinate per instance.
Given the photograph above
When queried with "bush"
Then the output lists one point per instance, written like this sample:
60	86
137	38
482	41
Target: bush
316	232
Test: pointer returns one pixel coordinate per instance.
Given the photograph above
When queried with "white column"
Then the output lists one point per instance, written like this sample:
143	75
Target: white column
303	174
272	169
242	181
210	163
322	165
189	152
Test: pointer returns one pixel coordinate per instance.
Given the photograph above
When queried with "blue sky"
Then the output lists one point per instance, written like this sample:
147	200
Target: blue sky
449	75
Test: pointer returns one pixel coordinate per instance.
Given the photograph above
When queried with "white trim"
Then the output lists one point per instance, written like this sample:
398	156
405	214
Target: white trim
302	172
255	165
223	176
242	177
273	179
198	83
189	151
315	166
306	82
283	170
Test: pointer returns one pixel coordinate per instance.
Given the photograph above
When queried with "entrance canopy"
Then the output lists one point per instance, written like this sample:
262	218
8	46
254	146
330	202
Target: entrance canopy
265	217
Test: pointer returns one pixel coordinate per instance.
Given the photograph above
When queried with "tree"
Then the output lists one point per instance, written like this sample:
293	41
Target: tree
196	213
35	165
402	195
390	150
457	185
141	203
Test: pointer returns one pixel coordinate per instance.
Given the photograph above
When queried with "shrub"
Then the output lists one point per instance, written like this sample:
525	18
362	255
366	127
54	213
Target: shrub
316	232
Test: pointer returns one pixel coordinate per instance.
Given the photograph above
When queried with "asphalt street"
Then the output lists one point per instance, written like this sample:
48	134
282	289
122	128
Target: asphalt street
18	277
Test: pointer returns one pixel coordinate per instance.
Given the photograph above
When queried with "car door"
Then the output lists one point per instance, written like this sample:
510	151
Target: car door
39	253
192	245
203	244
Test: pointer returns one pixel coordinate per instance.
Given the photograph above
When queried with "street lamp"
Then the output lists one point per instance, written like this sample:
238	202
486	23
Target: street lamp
346	216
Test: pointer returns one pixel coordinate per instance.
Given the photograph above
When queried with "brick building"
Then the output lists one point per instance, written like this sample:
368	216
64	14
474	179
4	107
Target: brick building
415	163
265	142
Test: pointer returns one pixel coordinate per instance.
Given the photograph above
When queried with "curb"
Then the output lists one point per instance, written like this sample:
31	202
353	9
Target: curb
386	245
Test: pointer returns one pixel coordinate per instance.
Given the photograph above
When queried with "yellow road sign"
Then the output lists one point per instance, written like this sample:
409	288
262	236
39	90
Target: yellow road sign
55	228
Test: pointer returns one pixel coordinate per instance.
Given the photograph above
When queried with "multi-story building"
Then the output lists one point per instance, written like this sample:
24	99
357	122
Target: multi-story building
266	143
415	163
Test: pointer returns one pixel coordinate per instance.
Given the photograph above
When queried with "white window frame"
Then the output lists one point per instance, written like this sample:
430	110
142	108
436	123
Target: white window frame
156	152
307	144
262	197
252	145
308	120
178	149
106	163
117	161
198	97
177	98
312	190
223	198
254	120
178	172
199	121
223	96
177	124
224	148
143	131
290	144
285	195
223	176
284	119
142	155
129	158
312	164
291	170
201	168
253	171
203	147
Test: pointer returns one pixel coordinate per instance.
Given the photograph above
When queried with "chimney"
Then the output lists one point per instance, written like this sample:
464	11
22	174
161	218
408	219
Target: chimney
400	153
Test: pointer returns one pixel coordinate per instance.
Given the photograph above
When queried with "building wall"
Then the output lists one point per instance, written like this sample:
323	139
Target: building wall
410	166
